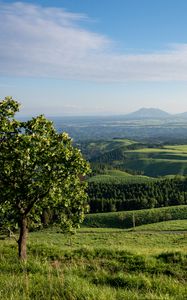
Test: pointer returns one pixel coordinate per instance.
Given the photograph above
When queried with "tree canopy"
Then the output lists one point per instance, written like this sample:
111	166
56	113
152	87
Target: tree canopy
39	169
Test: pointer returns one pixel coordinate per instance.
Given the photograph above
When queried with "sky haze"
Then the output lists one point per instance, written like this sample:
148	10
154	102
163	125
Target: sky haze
94	57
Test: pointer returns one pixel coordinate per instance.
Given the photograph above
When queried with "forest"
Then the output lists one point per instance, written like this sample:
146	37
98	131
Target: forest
107	197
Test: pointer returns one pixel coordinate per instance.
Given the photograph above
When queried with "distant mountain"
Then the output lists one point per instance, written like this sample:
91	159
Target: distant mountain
181	115
148	113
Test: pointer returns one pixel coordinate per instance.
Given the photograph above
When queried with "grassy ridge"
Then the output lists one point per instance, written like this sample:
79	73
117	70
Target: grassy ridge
124	219
174	225
94	149
119	177
120	180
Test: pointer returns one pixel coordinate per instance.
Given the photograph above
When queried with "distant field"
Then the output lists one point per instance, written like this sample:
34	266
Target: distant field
125	142
179	148
154	162
174	149
119	177
156	150
118	173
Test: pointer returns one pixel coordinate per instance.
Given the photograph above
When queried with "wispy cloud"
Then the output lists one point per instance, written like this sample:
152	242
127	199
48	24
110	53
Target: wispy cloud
51	42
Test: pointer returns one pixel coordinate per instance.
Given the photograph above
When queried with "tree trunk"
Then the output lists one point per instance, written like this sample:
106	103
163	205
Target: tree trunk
22	248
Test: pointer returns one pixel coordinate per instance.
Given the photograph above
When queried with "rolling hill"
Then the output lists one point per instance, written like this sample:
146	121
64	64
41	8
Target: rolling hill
149	160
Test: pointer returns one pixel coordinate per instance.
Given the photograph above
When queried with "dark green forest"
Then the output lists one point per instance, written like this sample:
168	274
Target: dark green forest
107	197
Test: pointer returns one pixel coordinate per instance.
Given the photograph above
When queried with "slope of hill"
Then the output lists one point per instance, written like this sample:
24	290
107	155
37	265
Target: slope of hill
150	113
120	177
95	149
181	115
152	160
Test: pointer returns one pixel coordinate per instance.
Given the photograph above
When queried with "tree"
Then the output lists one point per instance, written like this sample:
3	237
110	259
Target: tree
39	169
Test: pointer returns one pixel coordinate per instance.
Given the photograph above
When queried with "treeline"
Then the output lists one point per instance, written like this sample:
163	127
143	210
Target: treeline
104	197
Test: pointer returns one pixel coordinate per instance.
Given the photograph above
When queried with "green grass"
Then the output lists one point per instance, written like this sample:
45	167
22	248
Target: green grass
155	150
174	225
125	142
120	177
96	265
118	173
124	219
177	148
101	263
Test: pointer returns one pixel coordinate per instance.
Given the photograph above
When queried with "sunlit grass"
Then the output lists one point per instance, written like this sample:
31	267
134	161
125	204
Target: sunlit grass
95	265
175	225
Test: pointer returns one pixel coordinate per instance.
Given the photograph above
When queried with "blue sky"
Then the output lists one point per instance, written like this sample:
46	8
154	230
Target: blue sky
85	57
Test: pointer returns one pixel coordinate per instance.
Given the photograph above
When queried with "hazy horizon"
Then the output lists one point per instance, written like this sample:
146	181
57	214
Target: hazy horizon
101	115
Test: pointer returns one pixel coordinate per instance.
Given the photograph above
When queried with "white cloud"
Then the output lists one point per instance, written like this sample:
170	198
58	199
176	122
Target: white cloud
50	42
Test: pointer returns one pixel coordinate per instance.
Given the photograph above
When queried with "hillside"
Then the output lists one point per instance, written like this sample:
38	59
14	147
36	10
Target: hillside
150	113
147	159
181	115
119	177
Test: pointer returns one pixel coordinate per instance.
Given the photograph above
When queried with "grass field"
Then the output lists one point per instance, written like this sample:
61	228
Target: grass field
120	177
178	148
174	225
114	264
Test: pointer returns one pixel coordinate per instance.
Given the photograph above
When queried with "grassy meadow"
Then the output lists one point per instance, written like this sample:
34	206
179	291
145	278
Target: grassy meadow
109	179
98	264
119	177
173	225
